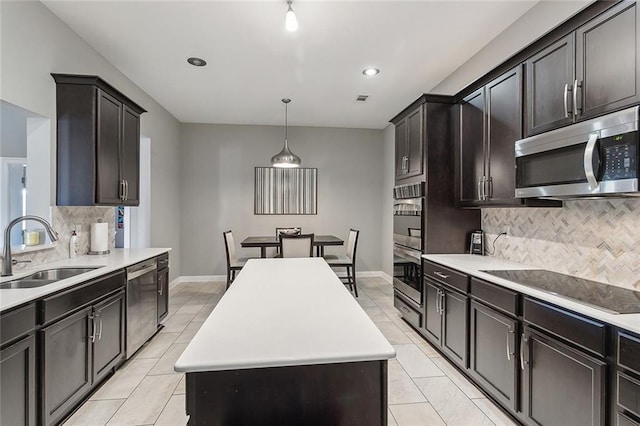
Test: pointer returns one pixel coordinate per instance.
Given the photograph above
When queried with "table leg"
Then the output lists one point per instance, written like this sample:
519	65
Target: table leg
263	252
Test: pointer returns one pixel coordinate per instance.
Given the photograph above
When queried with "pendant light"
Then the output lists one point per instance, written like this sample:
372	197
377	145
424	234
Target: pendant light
285	158
290	20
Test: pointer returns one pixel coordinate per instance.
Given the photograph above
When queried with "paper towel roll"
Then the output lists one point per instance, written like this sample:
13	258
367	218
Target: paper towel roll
99	237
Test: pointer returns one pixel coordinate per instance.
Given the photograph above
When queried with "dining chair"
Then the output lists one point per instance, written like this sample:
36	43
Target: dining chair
234	264
300	245
291	230
347	261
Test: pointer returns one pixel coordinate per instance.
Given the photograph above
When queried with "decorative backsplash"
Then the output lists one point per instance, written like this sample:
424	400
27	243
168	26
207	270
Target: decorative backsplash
595	239
64	220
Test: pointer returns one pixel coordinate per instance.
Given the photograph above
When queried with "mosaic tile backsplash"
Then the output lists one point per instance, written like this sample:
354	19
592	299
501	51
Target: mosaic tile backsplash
64	220
595	239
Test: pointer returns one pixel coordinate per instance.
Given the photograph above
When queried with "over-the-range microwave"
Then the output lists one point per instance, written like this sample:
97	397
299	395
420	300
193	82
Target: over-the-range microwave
594	158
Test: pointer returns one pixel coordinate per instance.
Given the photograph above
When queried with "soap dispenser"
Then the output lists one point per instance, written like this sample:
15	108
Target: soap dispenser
73	245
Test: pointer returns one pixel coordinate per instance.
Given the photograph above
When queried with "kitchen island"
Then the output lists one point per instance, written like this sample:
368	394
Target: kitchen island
287	344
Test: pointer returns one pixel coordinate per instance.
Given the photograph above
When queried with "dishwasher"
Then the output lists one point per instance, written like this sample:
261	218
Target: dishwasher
142	300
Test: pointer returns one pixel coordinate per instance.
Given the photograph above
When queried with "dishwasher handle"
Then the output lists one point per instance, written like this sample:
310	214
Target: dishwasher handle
139	270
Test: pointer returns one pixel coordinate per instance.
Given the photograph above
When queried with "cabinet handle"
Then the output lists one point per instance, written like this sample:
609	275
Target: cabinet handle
443	306
479	188
161	285
438	301
490	185
567	89
441	275
100	328
523	343
509	353
126	189
94	328
575	97
121	190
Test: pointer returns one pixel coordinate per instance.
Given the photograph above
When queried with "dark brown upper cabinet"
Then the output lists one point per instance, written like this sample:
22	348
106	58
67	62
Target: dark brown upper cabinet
98	143
589	72
409	137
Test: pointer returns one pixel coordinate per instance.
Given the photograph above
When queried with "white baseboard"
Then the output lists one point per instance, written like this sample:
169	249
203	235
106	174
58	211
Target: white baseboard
223	278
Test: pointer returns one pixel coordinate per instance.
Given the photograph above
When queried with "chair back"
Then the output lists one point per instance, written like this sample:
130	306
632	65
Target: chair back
292	230
300	245
229	247
352	244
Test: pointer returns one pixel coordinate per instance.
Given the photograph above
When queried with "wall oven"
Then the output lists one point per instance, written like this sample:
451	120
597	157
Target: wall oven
408	225
594	158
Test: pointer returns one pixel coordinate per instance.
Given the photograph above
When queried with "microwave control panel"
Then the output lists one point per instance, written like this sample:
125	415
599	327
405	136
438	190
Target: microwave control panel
620	156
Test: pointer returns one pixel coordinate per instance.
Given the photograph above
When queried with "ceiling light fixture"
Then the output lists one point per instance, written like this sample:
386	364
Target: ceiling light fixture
290	20
285	158
370	71
197	62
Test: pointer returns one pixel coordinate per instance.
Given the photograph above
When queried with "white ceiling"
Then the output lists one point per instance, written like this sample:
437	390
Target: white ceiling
253	62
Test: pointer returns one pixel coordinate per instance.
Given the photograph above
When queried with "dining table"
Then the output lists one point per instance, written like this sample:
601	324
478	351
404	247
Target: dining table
264	242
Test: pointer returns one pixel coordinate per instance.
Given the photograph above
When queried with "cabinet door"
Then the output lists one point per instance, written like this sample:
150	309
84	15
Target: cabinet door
454	326
18	383
608	61
493	360
561	383
131	156
472	131
163	294
65	364
402	154
109	116
504	127
549	72
415	122
108	348
433	319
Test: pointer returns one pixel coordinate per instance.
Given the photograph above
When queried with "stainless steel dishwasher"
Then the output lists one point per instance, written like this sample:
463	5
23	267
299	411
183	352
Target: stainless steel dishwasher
142	308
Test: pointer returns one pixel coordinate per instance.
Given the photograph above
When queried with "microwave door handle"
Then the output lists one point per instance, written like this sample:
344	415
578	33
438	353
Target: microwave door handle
588	161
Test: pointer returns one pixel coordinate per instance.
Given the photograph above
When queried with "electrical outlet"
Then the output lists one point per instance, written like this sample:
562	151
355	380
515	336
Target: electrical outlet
78	228
506	230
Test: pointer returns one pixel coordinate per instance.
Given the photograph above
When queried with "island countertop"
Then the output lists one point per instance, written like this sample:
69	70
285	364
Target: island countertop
284	312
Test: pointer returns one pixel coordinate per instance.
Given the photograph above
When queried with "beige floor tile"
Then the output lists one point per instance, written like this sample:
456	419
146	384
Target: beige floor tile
177	323
451	403
421	414
204	312
364	300
394	335
174	413
495	414
415	362
182	386
424	346
191	308
391	421
375	313
401	389
94	413
157	346
189	332
456	377
126	379
168	360
397	320
146	403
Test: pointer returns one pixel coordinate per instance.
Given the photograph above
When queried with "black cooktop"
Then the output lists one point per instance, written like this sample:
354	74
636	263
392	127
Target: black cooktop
602	296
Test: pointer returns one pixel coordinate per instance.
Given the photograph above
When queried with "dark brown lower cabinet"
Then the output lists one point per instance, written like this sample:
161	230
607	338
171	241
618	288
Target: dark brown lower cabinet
108	348
446	320
163	294
493	355
561	385
18	383
66	364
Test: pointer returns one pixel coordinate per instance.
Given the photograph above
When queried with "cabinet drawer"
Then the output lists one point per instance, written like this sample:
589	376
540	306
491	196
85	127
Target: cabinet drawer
447	276
408	313
629	352
623	420
163	261
584	332
17	323
55	307
496	296
629	393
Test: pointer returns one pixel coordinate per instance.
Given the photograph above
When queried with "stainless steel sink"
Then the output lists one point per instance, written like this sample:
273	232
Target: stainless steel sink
45	277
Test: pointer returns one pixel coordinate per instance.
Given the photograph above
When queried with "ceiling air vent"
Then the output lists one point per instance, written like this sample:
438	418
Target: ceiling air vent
362	98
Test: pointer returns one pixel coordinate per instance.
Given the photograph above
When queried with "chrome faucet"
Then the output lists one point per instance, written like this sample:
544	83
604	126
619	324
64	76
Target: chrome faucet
7	262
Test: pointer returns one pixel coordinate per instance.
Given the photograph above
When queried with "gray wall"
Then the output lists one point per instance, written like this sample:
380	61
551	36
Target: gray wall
35	43
389	168
217	174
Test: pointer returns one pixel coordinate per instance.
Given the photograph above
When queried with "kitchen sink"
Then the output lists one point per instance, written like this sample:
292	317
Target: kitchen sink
45	277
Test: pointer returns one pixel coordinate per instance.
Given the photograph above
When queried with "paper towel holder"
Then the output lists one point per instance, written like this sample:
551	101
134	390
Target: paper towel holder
95	253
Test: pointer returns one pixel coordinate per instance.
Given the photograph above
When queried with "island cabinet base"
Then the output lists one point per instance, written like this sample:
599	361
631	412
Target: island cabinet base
353	393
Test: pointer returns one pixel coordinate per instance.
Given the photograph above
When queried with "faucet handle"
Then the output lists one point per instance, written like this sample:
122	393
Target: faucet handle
15	261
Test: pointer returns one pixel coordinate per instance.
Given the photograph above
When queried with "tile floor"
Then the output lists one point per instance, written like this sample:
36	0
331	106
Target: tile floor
424	389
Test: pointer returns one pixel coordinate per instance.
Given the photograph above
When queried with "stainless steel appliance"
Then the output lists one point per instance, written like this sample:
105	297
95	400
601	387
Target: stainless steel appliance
594	158
142	308
477	243
408	226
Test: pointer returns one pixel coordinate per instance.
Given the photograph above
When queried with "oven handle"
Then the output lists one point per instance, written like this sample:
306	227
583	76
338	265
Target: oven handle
588	161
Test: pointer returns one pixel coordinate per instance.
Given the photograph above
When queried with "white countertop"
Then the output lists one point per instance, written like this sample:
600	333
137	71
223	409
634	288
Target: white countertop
117	259
474	265
284	312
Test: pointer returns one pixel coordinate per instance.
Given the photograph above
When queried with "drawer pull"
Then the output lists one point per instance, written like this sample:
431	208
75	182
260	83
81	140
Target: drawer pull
441	275
404	309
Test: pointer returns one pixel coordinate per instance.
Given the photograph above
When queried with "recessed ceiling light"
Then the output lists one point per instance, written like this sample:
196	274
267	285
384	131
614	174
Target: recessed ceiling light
370	71
197	62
